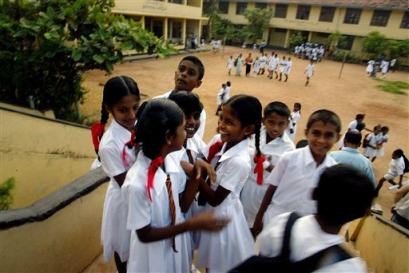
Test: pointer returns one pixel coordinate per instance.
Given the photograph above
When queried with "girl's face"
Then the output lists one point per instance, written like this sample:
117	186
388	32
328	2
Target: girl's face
192	124
321	136
230	128
176	141
124	111
275	125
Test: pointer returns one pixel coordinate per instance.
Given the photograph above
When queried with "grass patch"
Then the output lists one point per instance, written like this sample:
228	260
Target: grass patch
394	87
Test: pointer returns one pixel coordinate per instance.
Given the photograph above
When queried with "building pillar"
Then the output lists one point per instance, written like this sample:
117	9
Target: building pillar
165	29
199	32
309	36
184	33
142	21
287	38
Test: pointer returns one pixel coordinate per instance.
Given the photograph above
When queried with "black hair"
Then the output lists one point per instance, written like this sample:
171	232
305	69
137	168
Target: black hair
298	106
343	194
140	109
360	116
115	89
301	143
360	126
228	83
247	109
325	116
353	137
277	107
159	118
385	129
398	152
196	61
189	102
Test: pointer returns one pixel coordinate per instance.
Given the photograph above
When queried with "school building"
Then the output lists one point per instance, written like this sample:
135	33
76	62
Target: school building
176	21
317	19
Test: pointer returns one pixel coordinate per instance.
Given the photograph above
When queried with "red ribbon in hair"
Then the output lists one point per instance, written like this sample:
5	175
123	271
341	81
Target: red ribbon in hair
259	168
129	144
214	149
153	167
97	130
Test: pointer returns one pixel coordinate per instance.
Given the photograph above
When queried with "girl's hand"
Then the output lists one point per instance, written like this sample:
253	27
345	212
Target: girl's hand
187	167
202	166
207	221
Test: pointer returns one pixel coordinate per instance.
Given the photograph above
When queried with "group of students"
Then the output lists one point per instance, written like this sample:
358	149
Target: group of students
383	66
310	51
170	193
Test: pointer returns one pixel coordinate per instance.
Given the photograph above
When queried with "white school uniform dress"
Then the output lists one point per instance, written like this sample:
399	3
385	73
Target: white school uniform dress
307	238
385	67
380	141
309	70
295	176
369	68
230	63
223	250
372	140
155	256
256	66
220	96
294	118
396	168
227	94
114	235
283	65
288	67
253	193
200	132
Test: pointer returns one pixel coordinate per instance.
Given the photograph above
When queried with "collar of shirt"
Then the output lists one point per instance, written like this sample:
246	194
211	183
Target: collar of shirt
351	150
120	132
309	159
160	175
240	149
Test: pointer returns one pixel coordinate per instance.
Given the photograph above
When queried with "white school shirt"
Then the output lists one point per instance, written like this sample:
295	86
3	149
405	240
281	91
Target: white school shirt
307	238
372	140
114	235
155	256
221	251
222	92
309	70
230	63
283	66
252	193
295	176
201	129
396	167
294	118
287	69
227	94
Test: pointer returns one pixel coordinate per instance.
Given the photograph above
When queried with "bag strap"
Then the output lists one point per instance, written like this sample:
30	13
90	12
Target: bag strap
285	250
323	258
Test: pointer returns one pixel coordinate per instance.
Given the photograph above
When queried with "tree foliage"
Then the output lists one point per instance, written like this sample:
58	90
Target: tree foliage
375	44
399	48
336	40
46	45
259	20
295	39
6	199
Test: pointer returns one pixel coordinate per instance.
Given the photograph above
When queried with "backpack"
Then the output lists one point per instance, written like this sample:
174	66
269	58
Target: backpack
406	164
282	263
365	142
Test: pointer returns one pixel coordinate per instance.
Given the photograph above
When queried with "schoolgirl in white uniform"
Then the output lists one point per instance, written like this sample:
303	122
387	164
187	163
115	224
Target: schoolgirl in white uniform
294	118
357	124
287	69
383	138
309	71
372	139
121	100
159	242
273	143
240	118
230	64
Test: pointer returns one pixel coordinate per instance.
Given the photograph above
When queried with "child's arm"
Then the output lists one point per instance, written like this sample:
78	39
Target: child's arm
258	222
214	198
204	221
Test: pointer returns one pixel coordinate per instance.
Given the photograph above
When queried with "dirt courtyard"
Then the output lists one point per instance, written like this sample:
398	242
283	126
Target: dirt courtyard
353	93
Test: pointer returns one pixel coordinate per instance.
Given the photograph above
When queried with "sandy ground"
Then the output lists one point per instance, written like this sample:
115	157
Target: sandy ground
353	93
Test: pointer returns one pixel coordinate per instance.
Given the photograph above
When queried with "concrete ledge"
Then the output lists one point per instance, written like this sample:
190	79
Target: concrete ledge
46	207
137	57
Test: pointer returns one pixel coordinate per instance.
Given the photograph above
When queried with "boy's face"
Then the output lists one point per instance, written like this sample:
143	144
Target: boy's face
321	136
275	125
187	76
192	124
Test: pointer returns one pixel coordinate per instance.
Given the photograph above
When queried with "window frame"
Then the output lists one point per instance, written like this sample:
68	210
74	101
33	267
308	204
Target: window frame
330	15
261	6
239	8
302	9
223	7
405	20
380	18
352	20
283	9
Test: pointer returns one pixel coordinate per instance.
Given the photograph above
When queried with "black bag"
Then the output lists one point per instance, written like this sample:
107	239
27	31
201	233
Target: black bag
282	263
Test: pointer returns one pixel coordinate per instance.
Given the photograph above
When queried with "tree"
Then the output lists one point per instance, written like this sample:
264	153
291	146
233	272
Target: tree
259	20
375	44
46	46
399	48
295	39
212	11
335	40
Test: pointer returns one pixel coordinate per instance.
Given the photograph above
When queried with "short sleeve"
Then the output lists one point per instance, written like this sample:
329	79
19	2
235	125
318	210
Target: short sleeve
111	161
200	132
277	174
139	207
234	174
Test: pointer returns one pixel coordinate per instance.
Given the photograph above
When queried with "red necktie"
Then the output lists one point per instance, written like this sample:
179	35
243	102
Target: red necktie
130	144
259	168
155	164
172	208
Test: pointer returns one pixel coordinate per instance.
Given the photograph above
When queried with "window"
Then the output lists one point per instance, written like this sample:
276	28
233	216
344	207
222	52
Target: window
176	1
303	12
224	7
241	8
280	11
352	16
405	20
380	18
206	7
280	30
261	5
347	42
327	14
